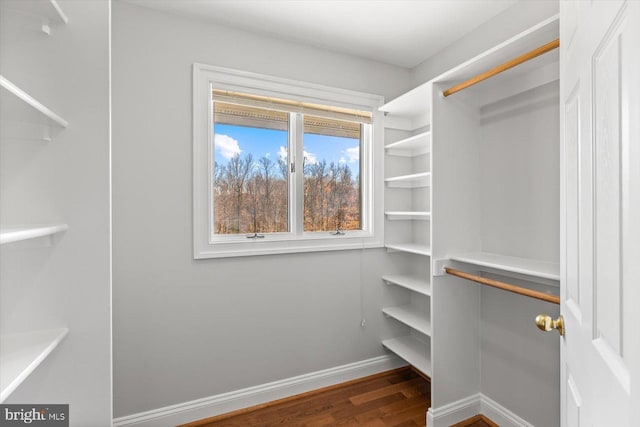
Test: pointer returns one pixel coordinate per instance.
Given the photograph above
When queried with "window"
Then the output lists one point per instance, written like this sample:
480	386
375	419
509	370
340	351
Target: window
283	166
250	170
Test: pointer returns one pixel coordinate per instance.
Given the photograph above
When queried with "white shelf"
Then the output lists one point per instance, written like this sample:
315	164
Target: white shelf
20	355
16	234
416	285
411	317
410	110
414	351
410	147
529	267
18	106
542	33
408	215
47	9
414	180
413	248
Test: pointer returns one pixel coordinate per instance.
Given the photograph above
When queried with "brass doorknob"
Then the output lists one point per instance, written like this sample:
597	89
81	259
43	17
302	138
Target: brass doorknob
546	323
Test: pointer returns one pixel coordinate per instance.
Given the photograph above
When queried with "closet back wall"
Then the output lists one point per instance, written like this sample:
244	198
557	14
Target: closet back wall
187	329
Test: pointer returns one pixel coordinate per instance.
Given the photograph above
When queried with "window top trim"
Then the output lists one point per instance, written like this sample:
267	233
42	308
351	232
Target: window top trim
266	85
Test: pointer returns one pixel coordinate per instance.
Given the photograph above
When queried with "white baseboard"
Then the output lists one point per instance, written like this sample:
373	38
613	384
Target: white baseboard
501	415
455	412
251	396
470	406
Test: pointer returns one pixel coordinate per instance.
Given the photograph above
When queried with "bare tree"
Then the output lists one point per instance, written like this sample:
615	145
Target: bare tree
237	172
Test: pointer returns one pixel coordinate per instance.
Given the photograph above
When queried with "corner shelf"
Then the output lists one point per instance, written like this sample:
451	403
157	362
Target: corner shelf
16	234
411	317
412	248
414	180
526	266
18	105
408	215
21	354
410	147
419	286
414	351
410	110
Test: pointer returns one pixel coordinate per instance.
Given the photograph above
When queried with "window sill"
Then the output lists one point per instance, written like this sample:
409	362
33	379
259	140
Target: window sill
230	250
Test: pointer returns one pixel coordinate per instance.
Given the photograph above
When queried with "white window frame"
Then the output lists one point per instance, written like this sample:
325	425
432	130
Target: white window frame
372	219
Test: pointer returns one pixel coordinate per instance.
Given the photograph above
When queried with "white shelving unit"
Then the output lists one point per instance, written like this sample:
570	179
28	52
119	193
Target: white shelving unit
408	215
482	191
529	267
25	116
413	350
412	248
21	354
16	234
415	145
410	316
411	110
420	286
495	197
414	180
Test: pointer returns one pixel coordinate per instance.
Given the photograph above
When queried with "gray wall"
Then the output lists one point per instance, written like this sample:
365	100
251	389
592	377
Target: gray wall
507	24
186	329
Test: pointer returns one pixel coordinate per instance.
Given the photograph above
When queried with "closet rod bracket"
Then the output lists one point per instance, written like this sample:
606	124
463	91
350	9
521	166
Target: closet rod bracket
438	266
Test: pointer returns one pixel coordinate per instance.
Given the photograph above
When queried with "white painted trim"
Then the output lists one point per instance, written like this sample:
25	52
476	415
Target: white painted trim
501	415
372	172
470	406
455	412
251	396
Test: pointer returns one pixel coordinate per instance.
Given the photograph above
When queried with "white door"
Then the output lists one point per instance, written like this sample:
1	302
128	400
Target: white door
600	224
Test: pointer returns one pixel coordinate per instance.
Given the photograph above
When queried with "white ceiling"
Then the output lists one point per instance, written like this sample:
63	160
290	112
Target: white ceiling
399	32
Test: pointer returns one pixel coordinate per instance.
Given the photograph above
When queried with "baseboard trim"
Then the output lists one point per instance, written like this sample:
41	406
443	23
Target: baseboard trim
455	412
501	415
471	421
470	406
207	407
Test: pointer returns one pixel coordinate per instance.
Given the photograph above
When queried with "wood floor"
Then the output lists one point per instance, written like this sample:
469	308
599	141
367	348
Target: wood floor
395	398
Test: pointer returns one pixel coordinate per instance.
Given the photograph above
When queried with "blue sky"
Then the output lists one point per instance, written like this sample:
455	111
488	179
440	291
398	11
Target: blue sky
230	140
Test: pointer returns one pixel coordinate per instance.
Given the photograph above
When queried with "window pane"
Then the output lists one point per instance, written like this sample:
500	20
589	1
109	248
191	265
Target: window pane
250	191
331	174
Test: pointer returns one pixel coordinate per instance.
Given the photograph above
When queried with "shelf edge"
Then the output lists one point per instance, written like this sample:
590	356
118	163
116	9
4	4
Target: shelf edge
32	102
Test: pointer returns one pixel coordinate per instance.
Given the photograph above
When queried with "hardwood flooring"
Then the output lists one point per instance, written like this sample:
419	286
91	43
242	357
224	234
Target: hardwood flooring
476	421
396	398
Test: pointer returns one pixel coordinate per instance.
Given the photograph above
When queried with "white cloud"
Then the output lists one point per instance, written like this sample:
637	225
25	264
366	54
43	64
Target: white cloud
342	160
282	153
353	154
267	155
310	158
226	146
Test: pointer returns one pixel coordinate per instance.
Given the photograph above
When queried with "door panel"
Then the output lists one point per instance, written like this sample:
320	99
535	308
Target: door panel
600	238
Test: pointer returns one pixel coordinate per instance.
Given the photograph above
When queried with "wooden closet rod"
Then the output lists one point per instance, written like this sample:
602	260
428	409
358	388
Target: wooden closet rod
503	67
504	286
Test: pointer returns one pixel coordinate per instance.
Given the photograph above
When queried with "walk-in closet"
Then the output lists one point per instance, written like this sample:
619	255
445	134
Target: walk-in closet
319	213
